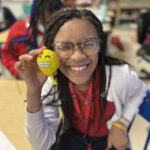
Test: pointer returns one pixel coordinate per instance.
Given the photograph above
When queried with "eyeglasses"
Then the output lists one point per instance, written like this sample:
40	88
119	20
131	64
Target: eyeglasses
88	47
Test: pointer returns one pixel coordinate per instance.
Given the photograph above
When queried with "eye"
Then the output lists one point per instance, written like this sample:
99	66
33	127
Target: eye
90	42
47	56
39	56
64	46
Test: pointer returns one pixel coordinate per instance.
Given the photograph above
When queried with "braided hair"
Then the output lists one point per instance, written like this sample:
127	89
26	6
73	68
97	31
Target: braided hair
53	25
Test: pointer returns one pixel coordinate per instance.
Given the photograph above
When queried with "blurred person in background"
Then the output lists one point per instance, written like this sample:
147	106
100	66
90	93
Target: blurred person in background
84	3
6	18
26	35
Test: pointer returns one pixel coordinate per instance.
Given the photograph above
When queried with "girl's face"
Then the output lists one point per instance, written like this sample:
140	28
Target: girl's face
77	67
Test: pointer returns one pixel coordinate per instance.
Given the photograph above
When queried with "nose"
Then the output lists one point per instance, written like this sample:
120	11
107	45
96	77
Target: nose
78	53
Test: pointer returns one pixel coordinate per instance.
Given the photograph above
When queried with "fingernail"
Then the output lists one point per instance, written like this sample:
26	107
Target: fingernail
30	57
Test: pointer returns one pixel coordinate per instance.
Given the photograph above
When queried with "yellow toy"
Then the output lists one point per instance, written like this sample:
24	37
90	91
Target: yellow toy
48	63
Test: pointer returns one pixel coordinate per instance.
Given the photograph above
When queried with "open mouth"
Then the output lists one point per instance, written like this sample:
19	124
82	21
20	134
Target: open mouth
81	68
44	64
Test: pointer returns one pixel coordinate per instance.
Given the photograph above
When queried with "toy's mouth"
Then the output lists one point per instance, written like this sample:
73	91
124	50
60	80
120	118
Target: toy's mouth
44	64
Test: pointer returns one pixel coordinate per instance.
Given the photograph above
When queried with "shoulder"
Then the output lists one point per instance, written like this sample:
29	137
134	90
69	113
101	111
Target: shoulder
19	24
124	79
121	76
124	83
19	28
119	71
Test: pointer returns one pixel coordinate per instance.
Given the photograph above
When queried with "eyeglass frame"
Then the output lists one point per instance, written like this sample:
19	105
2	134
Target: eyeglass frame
79	44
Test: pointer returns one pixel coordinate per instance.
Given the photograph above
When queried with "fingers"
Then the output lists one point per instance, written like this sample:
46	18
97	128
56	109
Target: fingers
109	146
37	51
43	48
123	147
31	55
34	53
18	66
26	58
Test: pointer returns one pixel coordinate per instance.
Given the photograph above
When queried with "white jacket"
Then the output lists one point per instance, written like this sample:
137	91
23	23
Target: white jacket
126	91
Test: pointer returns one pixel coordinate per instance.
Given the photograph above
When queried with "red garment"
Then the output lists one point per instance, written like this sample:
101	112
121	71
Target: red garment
11	53
84	114
96	127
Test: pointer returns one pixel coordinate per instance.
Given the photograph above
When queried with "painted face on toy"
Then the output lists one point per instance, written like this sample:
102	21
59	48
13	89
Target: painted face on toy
48	62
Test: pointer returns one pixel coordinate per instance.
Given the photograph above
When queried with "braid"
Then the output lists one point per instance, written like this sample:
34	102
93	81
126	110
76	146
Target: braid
54	23
32	21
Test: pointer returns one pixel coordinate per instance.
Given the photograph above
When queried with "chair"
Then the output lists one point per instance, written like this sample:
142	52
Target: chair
143	24
145	113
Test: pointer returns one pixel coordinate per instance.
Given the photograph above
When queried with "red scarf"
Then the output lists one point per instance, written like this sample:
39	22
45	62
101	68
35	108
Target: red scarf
92	94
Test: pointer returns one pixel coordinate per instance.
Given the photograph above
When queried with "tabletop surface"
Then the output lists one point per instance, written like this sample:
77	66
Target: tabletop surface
3	36
12	113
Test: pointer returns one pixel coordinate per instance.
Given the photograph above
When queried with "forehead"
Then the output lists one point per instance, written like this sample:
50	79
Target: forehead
76	29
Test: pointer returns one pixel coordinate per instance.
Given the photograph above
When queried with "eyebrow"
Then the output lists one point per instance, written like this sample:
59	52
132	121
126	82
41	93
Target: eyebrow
76	42
47	56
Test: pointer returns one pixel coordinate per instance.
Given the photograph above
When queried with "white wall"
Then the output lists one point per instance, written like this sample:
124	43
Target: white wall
16	6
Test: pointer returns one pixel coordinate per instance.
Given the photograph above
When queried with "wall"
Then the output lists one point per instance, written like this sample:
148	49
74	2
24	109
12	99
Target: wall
16	6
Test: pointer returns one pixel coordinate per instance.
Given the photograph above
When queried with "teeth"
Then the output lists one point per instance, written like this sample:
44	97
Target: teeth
44	64
78	68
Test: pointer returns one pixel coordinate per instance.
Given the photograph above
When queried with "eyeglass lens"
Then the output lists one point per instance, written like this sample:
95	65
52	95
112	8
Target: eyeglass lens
87	46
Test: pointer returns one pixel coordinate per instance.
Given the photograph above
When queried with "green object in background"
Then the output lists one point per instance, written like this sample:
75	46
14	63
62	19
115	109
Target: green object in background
26	10
103	10
79	7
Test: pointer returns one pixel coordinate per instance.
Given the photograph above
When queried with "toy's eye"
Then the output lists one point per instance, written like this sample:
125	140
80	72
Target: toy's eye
47	56
39	56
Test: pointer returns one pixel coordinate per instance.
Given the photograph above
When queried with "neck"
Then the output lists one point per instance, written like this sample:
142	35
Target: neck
82	87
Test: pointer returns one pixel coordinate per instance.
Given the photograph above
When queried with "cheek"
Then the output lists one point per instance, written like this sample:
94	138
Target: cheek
61	64
94	63
95	59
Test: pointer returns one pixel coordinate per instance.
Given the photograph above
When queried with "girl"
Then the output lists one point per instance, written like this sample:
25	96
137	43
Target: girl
98	95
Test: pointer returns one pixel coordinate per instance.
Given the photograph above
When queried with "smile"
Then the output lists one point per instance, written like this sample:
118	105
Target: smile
81	68
44	64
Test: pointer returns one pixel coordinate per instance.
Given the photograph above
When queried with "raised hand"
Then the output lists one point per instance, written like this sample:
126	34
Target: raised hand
28	69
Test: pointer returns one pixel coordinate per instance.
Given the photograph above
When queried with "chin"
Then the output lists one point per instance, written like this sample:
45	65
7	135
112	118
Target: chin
80	81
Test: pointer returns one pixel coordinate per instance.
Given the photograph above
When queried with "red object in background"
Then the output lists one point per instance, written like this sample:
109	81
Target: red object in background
116	41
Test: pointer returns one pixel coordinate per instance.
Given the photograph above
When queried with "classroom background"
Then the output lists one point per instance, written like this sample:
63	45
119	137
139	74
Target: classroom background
127	32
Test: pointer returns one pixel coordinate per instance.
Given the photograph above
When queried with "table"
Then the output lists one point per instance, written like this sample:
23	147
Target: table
12	112
138	133
3	36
